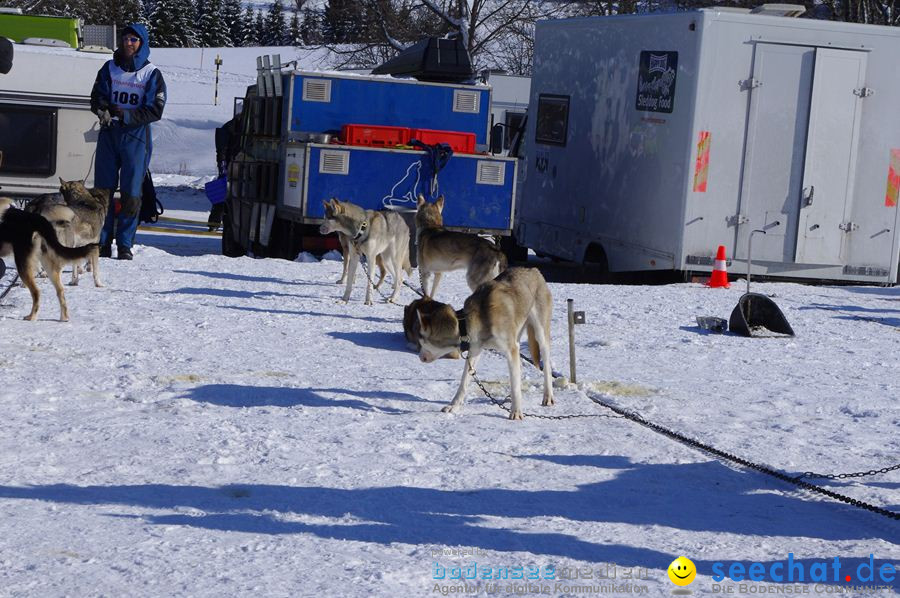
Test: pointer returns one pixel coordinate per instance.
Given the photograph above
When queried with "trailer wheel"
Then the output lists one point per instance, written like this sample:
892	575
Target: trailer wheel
596	265
230	246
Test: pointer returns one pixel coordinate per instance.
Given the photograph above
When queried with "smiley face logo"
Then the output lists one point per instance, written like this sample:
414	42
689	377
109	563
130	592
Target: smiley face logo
682	571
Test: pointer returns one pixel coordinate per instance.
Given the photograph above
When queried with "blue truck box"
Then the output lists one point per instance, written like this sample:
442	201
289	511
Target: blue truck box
478	189
319	102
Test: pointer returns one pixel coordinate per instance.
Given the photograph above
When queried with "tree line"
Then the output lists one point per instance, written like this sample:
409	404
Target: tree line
364	33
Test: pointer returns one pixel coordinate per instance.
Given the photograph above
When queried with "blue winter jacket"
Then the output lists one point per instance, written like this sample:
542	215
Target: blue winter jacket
126	145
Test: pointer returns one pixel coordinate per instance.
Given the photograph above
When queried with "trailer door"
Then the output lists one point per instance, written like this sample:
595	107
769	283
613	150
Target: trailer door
774	154
826	198
800	156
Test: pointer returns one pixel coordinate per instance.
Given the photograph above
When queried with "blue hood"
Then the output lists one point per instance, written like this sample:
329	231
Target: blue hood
143	54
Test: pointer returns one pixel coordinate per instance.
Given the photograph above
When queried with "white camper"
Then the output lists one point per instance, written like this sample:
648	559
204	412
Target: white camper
47	130
657	138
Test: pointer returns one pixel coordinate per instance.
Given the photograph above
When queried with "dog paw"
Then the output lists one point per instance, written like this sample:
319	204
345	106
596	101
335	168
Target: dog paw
450	409
515	414
548	401
29	317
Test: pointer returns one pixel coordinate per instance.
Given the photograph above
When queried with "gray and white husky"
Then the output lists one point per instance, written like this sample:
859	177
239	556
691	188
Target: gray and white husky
494	317
381	235
77	214
439	250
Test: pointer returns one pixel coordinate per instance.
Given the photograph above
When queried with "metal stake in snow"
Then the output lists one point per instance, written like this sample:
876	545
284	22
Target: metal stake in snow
218	63
575	317
750	253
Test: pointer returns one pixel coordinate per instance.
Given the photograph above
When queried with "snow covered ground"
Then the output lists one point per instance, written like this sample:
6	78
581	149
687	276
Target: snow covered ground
207	426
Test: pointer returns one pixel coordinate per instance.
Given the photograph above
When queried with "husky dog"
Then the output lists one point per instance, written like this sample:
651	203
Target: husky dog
493	318
90	207
333	206
439	250
31	239
426	306
77	213
374	234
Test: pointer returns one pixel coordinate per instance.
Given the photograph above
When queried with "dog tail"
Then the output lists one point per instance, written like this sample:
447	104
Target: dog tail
47	232
533	346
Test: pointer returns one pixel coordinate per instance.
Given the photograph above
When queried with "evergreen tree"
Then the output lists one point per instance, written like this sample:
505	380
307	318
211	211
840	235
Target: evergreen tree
340	21
251	35
213	30
259	27
234	21
294	38
275	27
173	24
311	28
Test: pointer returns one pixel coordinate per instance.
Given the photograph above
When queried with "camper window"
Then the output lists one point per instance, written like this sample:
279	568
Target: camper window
552	119
28	140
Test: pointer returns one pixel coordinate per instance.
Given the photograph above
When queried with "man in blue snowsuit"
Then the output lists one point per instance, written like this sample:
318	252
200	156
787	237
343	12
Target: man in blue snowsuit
129	94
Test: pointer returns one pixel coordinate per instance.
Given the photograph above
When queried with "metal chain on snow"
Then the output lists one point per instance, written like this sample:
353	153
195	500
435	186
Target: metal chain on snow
844	476
365	266
691	442
741	461
502	404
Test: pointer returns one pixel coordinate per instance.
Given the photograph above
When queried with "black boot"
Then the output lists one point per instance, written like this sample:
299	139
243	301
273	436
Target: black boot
106	251
125	253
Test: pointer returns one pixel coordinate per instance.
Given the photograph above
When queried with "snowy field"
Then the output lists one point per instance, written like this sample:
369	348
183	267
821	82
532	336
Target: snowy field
206	426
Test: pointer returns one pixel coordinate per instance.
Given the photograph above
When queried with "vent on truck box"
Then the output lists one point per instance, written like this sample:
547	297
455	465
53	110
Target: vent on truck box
465	101
316	90
334	162
491	173
431	59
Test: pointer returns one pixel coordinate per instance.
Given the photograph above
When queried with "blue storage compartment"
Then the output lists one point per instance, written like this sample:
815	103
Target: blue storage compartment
478	190
321	102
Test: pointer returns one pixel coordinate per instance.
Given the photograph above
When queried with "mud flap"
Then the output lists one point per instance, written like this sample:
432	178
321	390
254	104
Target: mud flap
755	312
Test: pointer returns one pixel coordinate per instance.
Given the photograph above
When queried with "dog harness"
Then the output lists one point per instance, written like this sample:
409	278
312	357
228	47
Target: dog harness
463	331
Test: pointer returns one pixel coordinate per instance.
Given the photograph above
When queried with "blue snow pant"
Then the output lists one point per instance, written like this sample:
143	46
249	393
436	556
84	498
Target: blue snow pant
122	152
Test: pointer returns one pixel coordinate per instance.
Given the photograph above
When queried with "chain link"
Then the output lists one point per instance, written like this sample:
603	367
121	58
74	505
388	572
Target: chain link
365	266
797	481
502	404
844	476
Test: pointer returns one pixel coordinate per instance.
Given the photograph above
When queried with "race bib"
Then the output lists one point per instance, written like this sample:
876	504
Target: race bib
128	87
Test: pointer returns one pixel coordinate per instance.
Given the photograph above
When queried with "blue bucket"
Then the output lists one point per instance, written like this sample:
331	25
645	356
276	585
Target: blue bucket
216	189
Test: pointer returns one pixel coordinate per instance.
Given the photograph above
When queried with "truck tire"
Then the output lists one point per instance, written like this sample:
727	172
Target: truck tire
596	265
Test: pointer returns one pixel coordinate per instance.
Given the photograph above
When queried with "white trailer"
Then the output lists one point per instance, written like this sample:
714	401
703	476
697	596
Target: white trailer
47	130
656	138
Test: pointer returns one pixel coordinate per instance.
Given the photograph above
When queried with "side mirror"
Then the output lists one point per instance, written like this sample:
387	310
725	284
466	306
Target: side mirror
6	55
497	138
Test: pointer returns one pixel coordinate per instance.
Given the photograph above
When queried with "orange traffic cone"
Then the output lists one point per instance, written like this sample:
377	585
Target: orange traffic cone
719	276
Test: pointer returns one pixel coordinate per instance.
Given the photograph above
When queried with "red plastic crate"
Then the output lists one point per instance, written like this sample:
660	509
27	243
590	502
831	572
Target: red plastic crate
463	143
375	135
